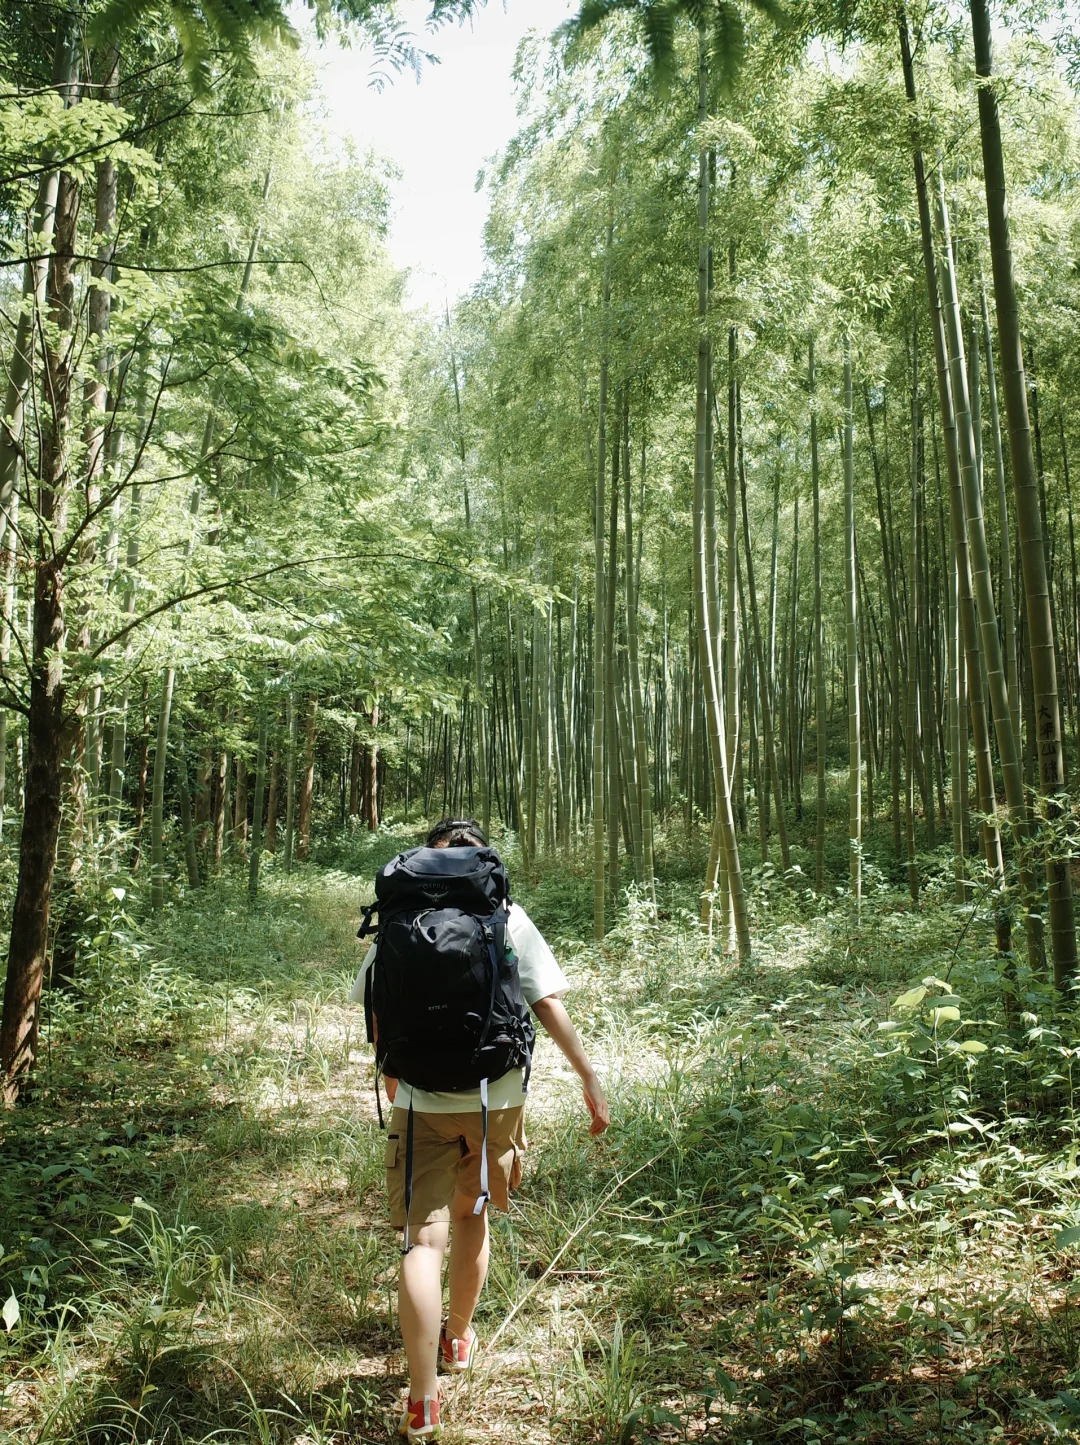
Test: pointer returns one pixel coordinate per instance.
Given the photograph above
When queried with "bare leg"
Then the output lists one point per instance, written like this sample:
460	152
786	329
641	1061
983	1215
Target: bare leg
420	1307
468	1266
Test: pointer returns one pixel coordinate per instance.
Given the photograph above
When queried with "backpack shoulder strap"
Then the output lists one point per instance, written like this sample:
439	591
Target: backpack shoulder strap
499	929
491	940
366	928
369	1013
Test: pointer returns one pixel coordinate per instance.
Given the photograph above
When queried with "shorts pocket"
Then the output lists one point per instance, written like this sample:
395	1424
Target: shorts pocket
514	1178
392	1145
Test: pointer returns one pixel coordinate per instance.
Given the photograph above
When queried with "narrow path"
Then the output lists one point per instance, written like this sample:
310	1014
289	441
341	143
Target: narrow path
202	1174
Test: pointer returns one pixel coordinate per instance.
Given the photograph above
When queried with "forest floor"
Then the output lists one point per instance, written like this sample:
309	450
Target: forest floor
830	1207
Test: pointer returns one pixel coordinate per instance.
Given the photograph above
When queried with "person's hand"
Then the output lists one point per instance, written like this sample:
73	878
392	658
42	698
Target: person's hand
391	1087
556	1021
597	1103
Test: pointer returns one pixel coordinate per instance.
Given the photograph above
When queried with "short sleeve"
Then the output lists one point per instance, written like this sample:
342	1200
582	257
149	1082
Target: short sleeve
540	975
356	993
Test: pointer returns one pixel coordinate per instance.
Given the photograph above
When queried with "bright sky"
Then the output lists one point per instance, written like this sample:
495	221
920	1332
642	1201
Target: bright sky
440	132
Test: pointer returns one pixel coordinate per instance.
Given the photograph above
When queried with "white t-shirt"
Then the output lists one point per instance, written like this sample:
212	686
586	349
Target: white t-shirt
541	977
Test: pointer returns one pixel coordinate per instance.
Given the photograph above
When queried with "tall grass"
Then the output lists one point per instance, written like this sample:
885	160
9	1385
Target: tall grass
837	1202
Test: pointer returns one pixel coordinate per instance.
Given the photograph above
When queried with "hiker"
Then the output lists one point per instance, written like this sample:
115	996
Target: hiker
445	1004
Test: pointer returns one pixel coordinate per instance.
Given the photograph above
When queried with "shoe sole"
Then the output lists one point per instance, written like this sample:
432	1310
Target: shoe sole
433	1432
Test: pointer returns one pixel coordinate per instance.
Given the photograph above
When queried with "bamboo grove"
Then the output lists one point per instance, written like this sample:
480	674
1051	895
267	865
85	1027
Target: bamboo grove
744	469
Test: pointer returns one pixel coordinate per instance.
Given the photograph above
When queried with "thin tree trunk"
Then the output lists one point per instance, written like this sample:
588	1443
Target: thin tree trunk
307	782
912	709
715	872
240	806
203	803
1073	638
1025	483
371	780
628	729
819	643
408	746
892	600
187	820
290	783
273	793
257	816
707	649
773	578
854	730
773	772
794	711
83	780
142	776
637	705
119	739
726	639
355	753
610	713
598	722
923	655
7	624
867	672
958	756
157	811
220	807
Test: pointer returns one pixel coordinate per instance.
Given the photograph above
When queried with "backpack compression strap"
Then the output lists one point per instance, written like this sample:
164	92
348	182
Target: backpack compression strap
490	936
489	939
406	1246
484	1195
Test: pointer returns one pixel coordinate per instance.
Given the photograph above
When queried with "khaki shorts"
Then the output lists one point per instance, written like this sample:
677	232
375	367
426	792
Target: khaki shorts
446	1162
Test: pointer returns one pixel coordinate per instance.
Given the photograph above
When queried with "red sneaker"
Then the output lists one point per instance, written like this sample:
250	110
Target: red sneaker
420	1420
456	1354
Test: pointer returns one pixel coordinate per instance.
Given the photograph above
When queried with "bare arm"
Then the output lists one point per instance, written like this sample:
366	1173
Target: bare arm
557	1024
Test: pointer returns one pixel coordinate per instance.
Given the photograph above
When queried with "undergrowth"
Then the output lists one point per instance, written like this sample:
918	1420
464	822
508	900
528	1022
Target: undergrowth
839	1200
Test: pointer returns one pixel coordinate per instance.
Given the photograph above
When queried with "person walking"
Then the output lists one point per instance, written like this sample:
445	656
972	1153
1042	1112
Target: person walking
450	948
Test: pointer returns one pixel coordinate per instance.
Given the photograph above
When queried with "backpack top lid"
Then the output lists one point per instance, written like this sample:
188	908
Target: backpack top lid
471	879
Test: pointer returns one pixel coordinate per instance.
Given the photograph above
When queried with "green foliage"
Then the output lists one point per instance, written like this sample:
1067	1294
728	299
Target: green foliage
820	1211
840	1201
239	27
721	19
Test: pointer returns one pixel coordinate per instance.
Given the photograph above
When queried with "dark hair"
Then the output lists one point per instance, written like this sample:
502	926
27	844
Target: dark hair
457	833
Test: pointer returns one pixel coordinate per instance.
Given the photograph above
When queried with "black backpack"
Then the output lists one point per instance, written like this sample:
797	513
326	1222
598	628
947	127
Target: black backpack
443	988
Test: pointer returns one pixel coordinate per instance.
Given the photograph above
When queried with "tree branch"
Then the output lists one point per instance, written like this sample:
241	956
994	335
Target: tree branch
228	582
